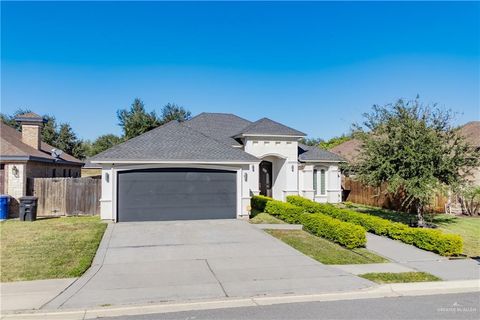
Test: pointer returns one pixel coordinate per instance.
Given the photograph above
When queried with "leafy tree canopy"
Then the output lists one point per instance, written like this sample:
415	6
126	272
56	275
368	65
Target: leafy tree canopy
415	149
311	141
333	142
171	111
103	143
135	120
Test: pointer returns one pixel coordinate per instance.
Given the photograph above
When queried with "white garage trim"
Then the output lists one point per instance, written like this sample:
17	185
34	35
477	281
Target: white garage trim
116	169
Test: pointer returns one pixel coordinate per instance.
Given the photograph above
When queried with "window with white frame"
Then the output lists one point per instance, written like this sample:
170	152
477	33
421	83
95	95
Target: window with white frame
320	182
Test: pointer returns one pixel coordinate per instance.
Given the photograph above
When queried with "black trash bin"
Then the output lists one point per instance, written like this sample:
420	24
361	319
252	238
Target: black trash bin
28	208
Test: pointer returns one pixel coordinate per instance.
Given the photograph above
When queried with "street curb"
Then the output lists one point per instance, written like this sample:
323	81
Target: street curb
381	291
78	284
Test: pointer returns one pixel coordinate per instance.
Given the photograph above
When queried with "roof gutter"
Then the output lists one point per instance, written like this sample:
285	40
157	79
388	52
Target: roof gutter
38	159
173	162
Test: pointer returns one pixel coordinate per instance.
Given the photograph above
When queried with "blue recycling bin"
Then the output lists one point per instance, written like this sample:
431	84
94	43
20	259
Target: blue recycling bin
4	199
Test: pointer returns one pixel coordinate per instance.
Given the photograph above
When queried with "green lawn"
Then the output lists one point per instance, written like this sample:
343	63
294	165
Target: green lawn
467	227
48	248
263	217
323	250
401	277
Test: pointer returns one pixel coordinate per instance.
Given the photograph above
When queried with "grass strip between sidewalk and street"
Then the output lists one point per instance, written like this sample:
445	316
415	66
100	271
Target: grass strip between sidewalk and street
49	248
402	277
323	250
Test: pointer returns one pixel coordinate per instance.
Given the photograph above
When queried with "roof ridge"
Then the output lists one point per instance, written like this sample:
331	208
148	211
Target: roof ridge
169	123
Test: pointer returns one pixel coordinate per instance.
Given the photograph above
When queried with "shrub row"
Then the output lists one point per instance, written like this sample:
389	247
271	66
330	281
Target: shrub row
344	233
259	202
427	239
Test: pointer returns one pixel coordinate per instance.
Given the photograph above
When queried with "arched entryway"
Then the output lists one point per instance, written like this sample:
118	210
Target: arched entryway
266	178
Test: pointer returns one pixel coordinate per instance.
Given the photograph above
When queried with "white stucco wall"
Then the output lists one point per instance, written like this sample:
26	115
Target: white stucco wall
333	192
283	153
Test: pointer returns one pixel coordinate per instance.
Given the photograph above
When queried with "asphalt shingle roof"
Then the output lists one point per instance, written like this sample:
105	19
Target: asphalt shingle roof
11	145
312	153
267	126
219	126
174	141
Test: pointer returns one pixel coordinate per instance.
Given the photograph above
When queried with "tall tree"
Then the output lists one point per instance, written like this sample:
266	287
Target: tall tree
50	130
416	150
311	141
171	111
135	120
66	140
103	143
10	119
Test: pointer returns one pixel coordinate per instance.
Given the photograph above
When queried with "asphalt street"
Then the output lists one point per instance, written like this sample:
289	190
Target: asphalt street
445	306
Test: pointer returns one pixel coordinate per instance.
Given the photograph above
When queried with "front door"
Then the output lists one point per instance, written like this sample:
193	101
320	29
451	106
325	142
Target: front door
265	177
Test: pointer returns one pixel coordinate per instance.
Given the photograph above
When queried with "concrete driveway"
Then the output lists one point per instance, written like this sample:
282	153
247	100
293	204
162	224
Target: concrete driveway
145	262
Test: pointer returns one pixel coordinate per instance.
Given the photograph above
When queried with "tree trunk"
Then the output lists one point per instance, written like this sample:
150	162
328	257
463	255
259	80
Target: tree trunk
420	219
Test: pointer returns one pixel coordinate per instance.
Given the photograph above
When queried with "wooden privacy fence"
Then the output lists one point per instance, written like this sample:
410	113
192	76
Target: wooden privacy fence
66	196
357	192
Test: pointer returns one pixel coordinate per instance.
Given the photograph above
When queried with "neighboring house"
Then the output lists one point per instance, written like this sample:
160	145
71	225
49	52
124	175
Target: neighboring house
350	149
91	169
209	167
23	155
471	132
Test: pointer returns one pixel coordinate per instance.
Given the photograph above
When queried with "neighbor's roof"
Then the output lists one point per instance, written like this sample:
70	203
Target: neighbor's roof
471	132
29	116
266	126
12	148
349	150
313	153
219	126
174	141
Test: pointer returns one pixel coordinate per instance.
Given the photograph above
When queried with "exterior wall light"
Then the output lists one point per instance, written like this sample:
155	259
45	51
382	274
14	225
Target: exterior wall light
15	171
293	168
245	176
107	177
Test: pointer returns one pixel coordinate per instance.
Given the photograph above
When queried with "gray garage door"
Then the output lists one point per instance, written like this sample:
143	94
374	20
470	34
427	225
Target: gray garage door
176	194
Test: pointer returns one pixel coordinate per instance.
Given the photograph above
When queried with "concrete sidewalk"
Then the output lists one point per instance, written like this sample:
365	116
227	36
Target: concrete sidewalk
414	258
382	291
29	295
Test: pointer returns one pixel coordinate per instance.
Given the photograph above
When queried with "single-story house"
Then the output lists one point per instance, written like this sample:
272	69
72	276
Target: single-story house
350	150
209	167
471	132
24	155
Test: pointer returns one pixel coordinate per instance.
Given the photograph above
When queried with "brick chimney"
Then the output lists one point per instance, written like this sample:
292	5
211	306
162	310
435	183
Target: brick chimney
32	125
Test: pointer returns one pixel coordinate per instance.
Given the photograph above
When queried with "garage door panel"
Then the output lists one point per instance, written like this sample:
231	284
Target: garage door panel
176	194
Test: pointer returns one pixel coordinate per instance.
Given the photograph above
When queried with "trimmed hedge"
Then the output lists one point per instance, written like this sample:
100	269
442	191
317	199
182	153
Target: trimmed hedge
344	233
259	202
427	239
285	211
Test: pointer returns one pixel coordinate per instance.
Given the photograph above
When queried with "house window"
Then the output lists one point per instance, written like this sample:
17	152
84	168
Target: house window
277	142
319	181
69	172
64	172
54	172
322	181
